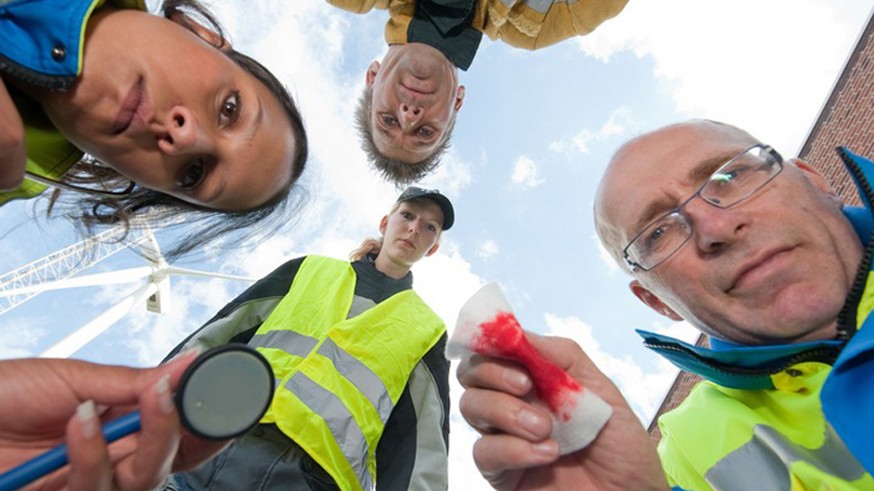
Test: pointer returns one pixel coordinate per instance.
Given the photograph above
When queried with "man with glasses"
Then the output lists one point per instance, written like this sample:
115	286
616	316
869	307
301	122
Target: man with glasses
762	256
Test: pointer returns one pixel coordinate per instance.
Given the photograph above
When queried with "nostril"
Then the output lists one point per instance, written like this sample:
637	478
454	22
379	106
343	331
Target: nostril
179	120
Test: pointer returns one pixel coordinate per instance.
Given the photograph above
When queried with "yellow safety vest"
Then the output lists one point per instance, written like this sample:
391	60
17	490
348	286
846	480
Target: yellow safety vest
764	440
50	155
339	379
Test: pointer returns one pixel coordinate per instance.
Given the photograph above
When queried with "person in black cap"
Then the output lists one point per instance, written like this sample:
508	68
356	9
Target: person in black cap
362	398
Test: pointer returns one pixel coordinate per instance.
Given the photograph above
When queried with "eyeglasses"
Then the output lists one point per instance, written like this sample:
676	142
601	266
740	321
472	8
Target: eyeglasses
736	180
79	189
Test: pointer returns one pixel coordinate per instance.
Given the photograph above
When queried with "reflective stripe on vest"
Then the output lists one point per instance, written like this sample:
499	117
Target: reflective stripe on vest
337	387
764	462
768	439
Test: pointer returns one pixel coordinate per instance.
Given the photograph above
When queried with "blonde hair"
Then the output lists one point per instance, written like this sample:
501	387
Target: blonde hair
369	245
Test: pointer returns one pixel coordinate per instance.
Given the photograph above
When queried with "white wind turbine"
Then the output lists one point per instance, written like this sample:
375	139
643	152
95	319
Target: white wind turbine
61	270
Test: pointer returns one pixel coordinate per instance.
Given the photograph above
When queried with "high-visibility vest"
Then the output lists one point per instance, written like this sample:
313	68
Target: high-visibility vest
767	440
49	155
339	379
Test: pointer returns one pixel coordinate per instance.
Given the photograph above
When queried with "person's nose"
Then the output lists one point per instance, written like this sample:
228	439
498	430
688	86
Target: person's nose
715	229
414	227
410	113
182	133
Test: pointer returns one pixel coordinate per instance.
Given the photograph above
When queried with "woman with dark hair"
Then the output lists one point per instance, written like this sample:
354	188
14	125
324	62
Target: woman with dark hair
140	113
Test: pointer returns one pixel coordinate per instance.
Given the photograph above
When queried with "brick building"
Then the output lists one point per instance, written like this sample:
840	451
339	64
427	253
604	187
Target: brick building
847	118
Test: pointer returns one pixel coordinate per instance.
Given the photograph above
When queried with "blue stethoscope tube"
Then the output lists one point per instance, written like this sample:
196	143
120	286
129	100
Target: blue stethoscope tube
214	385
56	458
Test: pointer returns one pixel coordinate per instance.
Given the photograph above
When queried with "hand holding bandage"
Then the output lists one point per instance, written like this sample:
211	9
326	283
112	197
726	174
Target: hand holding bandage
486	325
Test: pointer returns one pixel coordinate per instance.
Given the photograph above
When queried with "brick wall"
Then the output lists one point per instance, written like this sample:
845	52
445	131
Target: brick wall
847	119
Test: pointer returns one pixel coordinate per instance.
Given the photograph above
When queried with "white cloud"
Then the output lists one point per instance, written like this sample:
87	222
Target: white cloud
445	281
487	249
606	258
742	62
463	474
23	340
525	173
616	125
452	176
681	330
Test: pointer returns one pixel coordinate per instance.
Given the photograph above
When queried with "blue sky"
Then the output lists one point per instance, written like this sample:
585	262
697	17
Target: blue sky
531	141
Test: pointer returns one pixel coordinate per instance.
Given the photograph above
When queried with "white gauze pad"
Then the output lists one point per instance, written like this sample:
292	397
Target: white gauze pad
486	325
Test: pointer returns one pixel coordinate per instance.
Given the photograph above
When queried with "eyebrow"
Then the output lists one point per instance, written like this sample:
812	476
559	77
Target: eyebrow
696	175
217	191
707	167
256	120
417	141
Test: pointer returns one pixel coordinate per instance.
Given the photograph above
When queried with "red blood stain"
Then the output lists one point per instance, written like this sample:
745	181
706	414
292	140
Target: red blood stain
502	336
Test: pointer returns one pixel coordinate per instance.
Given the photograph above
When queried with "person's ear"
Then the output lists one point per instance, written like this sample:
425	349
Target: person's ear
459	97
383	224
652	301
814	176
203	32
372	70
433	249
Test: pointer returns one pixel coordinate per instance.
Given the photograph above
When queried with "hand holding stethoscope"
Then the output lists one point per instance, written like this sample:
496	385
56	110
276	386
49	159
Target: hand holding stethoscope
221	395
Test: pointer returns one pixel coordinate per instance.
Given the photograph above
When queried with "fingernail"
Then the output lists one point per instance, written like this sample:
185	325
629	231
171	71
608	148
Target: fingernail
517	380
87	415
162	388
547	449
533	422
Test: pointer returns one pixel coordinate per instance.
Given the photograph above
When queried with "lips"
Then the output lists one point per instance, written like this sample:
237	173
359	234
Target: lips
418	90
407	242
759	269
131	105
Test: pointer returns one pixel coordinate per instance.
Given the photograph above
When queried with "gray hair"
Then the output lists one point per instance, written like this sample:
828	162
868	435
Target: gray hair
393	170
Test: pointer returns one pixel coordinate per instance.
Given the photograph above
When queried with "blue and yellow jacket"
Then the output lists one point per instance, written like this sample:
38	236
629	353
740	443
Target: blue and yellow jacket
41	43
794	416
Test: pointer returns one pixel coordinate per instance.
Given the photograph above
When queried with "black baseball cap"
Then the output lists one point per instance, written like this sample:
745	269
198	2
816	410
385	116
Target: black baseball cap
434	195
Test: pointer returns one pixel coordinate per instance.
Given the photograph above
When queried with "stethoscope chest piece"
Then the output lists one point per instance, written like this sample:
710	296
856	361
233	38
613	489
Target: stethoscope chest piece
225	392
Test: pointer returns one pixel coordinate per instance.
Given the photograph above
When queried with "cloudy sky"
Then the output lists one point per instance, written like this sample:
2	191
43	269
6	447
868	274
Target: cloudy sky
532	139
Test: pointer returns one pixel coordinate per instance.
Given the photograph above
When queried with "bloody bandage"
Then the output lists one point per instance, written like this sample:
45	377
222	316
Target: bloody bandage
486	325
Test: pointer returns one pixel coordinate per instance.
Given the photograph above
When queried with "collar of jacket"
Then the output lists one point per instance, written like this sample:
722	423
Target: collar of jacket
43	41
446	26
750	367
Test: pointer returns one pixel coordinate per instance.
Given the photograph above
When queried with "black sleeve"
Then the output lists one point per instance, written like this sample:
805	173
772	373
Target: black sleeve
402	450
274	285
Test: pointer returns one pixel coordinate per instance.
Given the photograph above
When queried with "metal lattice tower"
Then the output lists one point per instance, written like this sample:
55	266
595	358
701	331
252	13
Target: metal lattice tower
60	270
22	284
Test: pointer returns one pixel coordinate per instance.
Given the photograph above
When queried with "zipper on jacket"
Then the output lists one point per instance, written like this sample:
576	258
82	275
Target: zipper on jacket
34	78
847	316
825	355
